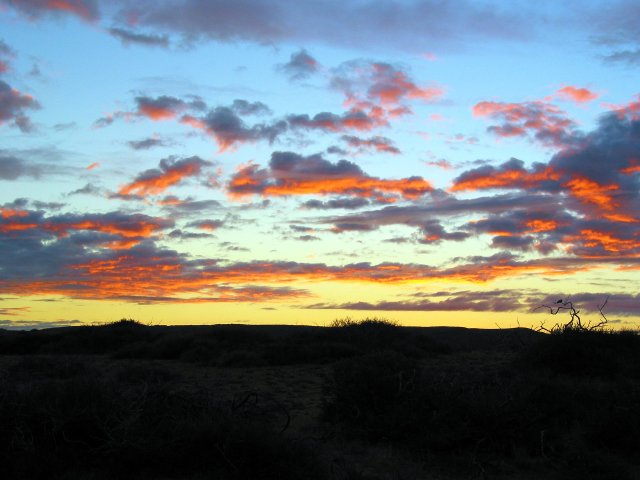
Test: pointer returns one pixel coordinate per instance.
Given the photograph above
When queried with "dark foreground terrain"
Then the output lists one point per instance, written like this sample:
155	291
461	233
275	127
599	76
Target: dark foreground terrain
358	400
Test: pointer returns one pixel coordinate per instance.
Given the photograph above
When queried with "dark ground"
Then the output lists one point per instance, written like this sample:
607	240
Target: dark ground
359	400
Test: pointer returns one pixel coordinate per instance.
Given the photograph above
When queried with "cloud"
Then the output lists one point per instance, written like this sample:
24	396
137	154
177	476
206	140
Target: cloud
114	230
182	235
347	203
37	324
223	123
378	143
229	129
353	119
7	53
301	65
433	232
147	143
244	107
440	206
506	300
209	225
480	301
415	24
538	120
307	238
511	174
630	57
595	187
11	311
577	95
12	168
73	255
170	172
165	107
128	37
381	90
188	206
292	174
385	84
442	163
630	111
88	189
617	303
13	106
85	9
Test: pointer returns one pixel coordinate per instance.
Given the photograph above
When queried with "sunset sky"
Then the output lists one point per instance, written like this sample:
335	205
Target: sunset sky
252	161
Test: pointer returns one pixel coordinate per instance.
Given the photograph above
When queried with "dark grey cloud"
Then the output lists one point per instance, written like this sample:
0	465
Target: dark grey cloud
61	127
179	234
307	238
443	205
14	106
432	231
348	203
147	143
166	106
629	57
128	37
352	227
332	122
5	50
188	206
335	150
481	301
229	129
12	168
301	228
378	143
88	189
301	65
12	324
244	107
6	53
440	25
509	242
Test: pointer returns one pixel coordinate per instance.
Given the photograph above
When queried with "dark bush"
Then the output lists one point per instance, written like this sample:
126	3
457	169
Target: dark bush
586	353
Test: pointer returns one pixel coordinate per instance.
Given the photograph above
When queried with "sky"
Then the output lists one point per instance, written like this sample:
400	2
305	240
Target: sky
284	162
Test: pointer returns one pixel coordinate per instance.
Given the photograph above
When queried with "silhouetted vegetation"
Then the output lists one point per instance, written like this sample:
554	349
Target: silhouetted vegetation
62	417
224	345
126	400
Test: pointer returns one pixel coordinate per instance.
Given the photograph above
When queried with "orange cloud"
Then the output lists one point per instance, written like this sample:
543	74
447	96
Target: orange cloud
541	225
506	178
131	227
589	191
156	181
293	174
578	95
607	241
634	167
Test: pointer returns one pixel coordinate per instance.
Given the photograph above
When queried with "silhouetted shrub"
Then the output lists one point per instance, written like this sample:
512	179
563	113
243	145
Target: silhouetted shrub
374	334
586	352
